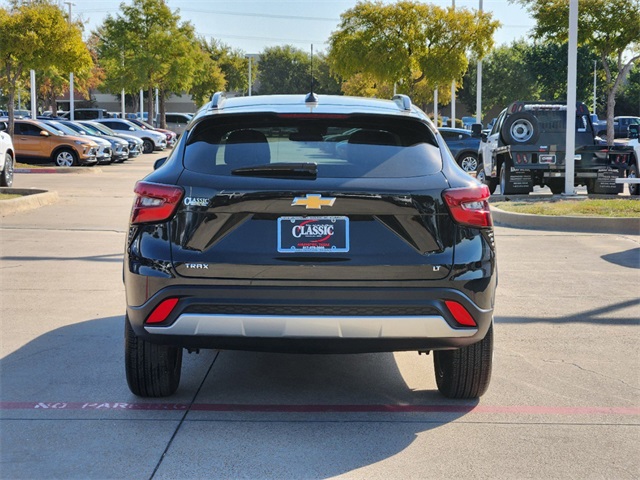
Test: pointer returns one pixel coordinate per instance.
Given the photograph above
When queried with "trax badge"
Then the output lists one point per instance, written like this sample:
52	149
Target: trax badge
313	201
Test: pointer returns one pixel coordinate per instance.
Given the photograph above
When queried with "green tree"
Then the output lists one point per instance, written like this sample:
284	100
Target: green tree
146	46
284	69
505	78
37	36
611	29
289	70
417	46
233	64
543	58
628	100
323	80
208	76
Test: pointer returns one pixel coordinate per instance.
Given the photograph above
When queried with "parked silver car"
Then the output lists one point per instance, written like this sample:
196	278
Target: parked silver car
176	122
135	144
151	140
119	146
103	154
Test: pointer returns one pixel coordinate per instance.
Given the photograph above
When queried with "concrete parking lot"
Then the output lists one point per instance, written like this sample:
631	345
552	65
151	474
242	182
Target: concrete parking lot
564	401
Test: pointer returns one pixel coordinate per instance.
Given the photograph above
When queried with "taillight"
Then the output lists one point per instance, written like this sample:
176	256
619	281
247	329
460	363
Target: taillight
155	202
469	205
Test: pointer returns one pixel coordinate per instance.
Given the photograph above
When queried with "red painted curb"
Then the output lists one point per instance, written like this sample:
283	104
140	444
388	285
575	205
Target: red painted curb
277	408
36	170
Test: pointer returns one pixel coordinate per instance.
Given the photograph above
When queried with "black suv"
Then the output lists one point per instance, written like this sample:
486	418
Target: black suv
253	235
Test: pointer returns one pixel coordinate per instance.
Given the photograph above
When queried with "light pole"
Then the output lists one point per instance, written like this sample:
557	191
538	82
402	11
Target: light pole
595	63
71	86
251	57
34	109
453	88
479	86
435	107
570	156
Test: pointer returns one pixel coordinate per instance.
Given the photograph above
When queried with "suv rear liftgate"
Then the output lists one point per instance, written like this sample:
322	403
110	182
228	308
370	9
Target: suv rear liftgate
280	242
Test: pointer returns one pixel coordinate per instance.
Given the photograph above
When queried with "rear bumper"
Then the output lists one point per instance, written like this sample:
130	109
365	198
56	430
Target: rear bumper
330	320
292	326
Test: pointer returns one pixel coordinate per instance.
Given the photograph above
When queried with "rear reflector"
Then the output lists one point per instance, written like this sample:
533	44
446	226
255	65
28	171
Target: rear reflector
162	311
460	314
469	205
155	202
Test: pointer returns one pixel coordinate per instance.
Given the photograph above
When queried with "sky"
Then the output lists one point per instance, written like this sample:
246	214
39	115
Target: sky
251	25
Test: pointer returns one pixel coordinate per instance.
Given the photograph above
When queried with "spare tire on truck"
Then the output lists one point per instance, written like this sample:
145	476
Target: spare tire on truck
520	128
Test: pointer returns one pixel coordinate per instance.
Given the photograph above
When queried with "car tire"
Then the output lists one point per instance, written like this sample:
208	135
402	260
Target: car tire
505	178
520	129
65	158
6	178
556	188
468	162
147	147
465	372
634	188
482	178
152	370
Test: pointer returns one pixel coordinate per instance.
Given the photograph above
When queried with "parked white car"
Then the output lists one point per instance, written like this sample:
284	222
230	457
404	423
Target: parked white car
175	121
152	140
7	160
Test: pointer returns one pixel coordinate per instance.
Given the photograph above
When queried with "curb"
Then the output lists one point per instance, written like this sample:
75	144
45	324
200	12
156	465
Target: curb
59	170
32	198
620	226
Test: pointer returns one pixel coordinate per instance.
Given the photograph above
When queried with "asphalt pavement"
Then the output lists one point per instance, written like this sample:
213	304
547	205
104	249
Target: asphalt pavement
564	400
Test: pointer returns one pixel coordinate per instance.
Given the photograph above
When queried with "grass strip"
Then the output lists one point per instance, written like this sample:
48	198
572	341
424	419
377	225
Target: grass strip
8	196
618	207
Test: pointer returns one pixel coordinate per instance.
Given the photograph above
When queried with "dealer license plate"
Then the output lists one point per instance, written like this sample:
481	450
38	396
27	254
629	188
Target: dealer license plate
313	234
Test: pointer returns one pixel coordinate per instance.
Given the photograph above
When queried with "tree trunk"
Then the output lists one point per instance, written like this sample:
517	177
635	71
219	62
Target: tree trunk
611	105
163	110
10	110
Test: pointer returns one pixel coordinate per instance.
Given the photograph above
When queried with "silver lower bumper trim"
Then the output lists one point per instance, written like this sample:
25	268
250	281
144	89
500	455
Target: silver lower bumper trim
308	326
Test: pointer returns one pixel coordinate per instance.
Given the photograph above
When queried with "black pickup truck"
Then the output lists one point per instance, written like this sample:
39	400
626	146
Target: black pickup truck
526	147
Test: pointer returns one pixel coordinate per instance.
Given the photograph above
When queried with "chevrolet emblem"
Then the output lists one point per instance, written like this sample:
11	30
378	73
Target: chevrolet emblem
313	201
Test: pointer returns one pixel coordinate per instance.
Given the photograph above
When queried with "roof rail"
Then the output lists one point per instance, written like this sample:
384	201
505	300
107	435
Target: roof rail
403	101
217	99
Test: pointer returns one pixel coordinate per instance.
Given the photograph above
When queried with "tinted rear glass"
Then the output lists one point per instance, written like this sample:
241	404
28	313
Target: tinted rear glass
340	146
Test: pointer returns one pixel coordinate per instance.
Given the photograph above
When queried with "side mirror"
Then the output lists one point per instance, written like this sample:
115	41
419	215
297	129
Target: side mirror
634	131
476	129
158	163
44	133
131	129
484	136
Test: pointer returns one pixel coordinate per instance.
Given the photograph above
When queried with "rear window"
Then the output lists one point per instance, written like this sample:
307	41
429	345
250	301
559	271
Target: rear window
554	120
176	118
340	146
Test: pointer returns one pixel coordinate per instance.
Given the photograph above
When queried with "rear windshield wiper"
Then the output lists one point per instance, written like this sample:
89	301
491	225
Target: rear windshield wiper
279	170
